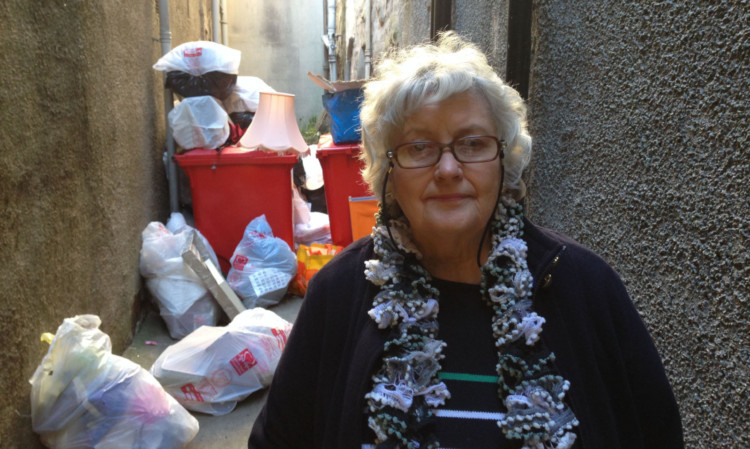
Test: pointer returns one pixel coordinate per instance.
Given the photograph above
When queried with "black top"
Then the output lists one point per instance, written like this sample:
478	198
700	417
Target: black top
619	390
469	418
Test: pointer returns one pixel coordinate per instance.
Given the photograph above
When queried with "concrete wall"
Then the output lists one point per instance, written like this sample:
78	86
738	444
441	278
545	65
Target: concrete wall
640	116
486	24
81	140
280	43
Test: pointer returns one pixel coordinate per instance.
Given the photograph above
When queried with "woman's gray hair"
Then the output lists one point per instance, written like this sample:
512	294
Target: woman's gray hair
410	78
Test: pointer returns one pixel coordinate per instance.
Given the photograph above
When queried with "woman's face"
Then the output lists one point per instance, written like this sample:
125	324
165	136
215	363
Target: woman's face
448	200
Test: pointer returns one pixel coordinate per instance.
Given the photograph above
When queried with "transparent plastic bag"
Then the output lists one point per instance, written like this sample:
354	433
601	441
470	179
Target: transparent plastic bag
184	302
199	122
177	224
83	396
316	230
246	94
213	368
262	266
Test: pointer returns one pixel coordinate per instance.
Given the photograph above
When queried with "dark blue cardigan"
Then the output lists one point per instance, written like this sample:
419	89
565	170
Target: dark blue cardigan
619	391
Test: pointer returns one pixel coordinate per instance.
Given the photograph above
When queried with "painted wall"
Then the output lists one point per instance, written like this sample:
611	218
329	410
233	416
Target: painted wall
640	117
280	42
81	141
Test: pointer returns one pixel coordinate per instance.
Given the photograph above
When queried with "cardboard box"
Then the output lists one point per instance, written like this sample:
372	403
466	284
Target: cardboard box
199	260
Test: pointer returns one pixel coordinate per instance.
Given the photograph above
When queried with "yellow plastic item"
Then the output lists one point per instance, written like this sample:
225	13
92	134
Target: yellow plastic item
47	337
310	259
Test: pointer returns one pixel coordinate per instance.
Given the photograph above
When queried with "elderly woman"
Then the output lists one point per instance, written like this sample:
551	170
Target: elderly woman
458	323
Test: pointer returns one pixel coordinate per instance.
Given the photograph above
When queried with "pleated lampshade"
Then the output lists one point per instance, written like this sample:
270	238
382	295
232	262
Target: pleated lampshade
274	127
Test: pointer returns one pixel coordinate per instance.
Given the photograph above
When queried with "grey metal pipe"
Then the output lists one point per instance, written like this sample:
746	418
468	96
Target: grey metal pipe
165	37
332	39
368	47
224	31
215	21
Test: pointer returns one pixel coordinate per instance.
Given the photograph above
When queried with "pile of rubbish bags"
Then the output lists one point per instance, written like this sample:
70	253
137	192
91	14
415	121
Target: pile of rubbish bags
85	396
262	267
217	105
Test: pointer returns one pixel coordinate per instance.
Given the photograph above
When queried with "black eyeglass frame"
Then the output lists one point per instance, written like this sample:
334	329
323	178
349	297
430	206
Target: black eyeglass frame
393	153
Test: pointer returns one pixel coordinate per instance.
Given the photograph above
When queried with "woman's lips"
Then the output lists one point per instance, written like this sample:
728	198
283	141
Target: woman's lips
448	197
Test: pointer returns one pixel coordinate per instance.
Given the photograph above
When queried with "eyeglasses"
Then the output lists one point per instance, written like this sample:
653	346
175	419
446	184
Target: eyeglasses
467	150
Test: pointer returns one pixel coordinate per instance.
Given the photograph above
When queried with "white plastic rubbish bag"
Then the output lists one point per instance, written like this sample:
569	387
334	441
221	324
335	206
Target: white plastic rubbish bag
184	302
213	368
177	224
262	266
246	94
199	122
316	230
83	396
199	57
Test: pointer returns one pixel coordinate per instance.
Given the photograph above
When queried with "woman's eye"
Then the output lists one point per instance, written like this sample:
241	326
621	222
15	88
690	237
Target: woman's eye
419	149
472	143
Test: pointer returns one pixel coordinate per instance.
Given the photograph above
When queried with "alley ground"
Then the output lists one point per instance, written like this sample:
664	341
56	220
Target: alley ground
216	432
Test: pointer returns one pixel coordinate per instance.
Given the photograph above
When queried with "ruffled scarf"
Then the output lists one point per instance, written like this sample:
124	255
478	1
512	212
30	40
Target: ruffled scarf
406	388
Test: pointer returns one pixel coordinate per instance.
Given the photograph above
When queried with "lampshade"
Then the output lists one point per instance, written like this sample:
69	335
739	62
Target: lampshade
274	127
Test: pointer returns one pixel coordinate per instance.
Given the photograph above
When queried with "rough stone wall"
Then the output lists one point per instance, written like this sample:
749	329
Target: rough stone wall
407	22
394	24
640	116
81	140
356	37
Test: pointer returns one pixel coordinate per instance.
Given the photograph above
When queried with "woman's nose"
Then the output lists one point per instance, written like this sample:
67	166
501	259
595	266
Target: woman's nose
448	166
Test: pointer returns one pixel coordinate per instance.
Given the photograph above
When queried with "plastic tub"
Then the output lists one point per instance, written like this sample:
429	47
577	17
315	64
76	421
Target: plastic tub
342	179
231	187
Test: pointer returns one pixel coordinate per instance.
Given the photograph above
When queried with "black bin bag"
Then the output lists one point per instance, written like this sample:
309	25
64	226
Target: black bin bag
216	84
200	68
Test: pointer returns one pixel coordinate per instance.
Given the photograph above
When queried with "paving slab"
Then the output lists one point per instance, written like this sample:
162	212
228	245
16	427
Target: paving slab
216	432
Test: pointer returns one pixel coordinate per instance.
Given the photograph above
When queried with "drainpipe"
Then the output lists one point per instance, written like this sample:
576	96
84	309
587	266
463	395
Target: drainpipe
349	53
331	39
368	48
224	35
215	21
166	46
